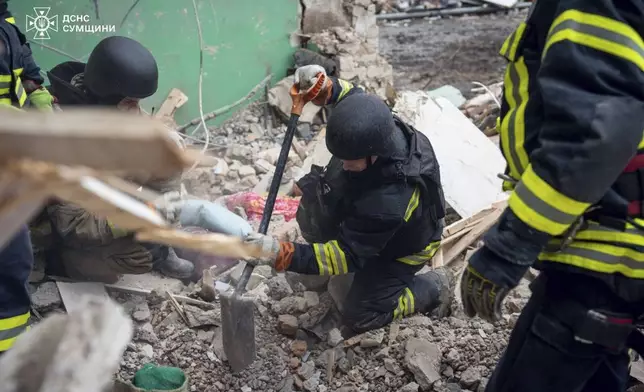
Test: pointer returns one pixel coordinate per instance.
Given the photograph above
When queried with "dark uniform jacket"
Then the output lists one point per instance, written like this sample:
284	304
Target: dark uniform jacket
17	64
571	129
391	213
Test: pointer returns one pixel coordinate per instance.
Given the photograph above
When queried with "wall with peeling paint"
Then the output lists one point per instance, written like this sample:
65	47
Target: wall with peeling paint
241	37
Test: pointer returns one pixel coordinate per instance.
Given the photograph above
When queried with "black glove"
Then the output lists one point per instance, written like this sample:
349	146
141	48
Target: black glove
486	282
511	246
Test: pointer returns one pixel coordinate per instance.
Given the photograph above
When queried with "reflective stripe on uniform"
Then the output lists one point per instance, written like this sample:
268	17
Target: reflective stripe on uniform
631	236
11	20
331	258
597	32
5	89
406	304
423	256
603	258
11	328
21	94
512	126
346	87
511	44
413	203
541	206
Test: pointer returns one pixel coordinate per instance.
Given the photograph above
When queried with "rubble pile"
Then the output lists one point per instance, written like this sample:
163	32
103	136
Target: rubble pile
484	108
248	152
353	43
417	354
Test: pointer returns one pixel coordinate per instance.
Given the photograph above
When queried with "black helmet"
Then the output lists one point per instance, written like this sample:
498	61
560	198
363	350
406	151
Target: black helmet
360	125
121	67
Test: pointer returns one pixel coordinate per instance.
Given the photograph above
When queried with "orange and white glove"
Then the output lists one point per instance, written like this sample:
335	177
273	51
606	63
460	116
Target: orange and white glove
280	253
306	77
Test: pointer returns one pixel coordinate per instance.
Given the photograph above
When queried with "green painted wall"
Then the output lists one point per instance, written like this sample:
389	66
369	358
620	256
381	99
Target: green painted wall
241	38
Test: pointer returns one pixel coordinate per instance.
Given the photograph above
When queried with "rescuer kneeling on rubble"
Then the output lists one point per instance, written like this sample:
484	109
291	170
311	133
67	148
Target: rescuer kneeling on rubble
119	73
571	132
383	212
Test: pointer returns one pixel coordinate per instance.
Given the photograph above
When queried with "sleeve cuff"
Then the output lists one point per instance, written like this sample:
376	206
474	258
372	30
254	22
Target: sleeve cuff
542	207
515	241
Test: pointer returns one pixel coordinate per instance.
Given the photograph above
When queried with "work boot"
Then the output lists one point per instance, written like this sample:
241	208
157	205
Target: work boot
438	289
174	267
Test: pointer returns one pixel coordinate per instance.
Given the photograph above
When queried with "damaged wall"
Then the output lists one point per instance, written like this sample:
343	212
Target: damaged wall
241	39
347	31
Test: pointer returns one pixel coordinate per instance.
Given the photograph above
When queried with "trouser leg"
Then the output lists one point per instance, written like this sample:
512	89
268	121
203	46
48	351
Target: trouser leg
379	295
16	262
106	263
543	355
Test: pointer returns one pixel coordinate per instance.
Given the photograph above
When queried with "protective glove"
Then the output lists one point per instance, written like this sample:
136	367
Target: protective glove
41	99
486	282
307	76
279	253
169	205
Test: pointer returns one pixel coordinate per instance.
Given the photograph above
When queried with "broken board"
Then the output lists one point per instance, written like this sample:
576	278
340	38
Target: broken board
502	3
469	161
73	294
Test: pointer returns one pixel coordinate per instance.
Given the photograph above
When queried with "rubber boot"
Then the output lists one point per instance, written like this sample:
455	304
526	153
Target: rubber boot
435	291
173	266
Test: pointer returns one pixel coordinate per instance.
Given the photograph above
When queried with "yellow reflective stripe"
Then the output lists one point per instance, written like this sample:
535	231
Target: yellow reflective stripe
597	32
506	44
512	129
11	328
11	20
411	304
399	309
518	35
641	145
339	257
601	258
346	87
14	322
421	257
6	78
322	260
541	206
406	304
595	232
414	201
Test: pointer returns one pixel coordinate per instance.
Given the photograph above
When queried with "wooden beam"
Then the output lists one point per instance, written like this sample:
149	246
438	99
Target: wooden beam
176	98
100	139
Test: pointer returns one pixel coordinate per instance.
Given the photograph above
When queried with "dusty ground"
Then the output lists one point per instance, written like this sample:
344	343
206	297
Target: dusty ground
427	54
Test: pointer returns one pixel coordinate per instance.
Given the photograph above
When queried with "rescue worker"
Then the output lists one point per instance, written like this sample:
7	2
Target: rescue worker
20	79
20	84
119	73
571	133
389	208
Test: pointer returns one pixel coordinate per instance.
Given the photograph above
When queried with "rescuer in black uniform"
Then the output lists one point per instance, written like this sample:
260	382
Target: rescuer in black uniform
383	212
571	131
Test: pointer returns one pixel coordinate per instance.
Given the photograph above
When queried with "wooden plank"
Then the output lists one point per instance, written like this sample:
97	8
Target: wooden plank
100	139
73	294
469	161
176	98
213	243
472	236
502	3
